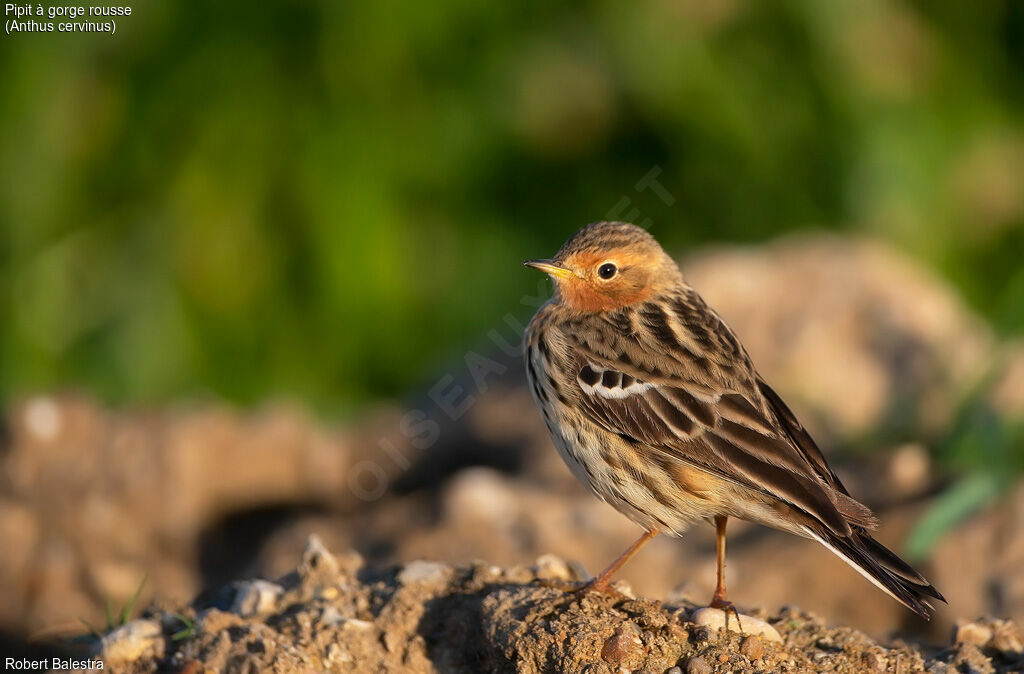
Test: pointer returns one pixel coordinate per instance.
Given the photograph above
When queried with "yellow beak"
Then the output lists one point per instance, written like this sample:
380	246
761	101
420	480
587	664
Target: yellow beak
549	267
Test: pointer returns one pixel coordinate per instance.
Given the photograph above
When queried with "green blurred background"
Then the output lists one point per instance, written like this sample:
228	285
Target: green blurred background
330	200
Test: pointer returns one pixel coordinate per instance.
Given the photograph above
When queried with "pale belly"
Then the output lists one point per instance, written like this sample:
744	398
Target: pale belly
643	493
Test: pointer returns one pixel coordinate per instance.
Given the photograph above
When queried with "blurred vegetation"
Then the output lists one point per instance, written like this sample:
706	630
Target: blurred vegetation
331	200
984	449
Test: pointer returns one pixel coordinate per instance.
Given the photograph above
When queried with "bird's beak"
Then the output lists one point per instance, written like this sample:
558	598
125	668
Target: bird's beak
549	267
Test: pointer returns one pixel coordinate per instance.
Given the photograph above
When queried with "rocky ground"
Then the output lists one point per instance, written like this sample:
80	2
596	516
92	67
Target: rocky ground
332	614
875	355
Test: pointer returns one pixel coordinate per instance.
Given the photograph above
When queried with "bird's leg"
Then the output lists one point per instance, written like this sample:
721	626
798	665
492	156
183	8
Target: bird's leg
602	582
719	600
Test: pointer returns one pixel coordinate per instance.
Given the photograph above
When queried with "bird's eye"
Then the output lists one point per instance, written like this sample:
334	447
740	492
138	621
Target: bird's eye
607	270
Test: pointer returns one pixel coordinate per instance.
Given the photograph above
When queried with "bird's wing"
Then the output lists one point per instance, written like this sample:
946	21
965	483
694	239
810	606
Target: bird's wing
653	385
799	436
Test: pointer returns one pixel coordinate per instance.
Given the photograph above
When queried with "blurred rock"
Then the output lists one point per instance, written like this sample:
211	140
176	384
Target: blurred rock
857	337
972	633
256	597
910	468
421	572
551	567
132	641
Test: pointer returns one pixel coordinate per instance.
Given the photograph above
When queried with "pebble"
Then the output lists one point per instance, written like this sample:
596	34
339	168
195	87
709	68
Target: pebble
132	641
624	588
356	624
972	633
213	621
909	468
622	645
1007	638
876	662
715	619
674	670
677	632
333	617
551	567
698	665
422	572
256	597
337	655
752	648
43	418
317	560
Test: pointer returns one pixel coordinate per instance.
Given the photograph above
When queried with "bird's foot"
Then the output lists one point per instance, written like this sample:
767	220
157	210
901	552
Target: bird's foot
722	604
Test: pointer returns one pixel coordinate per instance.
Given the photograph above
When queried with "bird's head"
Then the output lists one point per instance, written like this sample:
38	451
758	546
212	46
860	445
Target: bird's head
608	265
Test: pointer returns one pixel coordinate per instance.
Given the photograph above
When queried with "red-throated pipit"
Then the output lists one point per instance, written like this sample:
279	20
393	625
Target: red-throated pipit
655	405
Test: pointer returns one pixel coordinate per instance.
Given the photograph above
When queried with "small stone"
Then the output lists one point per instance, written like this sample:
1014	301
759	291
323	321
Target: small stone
678	633
337	655
715	619
43	418
972	633
551	567
132	641
674	670
624	588
723	657
317	561
623	645
1007	638
421	572
357	625
752	648
331	616
256	597
876	662
703	634
698	665
909	468
213	621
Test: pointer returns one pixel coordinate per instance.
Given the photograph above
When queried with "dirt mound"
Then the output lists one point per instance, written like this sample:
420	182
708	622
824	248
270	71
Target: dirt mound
332	614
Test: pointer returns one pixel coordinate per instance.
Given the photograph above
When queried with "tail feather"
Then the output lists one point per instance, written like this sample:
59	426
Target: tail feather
883	568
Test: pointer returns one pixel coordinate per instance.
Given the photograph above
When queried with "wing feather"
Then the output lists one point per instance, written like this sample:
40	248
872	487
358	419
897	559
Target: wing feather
709	410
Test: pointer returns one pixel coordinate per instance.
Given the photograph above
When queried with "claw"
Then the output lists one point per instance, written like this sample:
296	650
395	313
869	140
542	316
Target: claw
726	606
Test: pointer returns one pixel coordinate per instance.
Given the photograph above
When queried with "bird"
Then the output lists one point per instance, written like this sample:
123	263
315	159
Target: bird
654	404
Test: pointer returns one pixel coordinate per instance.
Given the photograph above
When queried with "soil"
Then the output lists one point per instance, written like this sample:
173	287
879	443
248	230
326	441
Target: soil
333	614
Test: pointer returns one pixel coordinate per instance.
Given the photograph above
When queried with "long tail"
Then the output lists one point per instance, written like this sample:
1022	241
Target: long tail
883	568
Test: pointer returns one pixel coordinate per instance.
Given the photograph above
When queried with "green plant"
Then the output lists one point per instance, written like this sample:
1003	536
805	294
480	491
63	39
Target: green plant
987	450
113	621
186	632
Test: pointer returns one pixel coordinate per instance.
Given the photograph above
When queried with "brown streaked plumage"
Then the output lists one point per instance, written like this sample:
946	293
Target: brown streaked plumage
655	405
